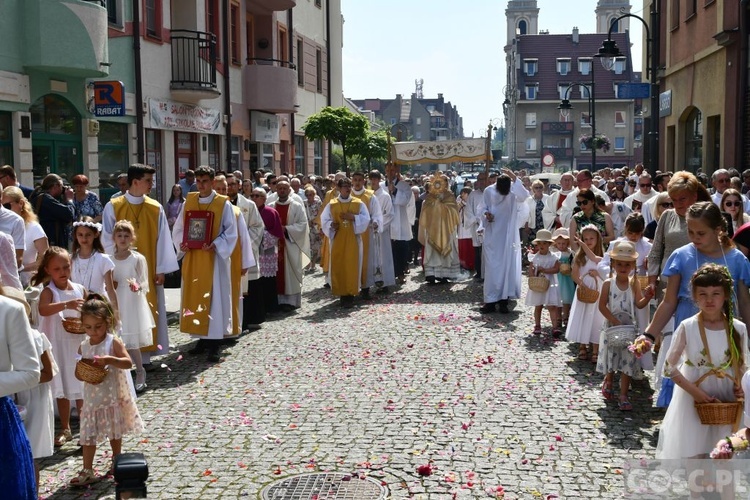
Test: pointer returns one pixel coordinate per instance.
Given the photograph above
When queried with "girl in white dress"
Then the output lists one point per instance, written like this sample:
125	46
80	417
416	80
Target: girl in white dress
61	298
131	283
618	301
92	267
710	343
585	321
109	411
545	263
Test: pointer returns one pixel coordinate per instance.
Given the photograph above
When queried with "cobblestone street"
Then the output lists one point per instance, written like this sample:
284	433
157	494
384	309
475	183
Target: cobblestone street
414	377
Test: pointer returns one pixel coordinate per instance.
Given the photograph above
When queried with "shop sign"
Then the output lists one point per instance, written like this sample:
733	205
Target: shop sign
109	99
170	115
665	104
264	127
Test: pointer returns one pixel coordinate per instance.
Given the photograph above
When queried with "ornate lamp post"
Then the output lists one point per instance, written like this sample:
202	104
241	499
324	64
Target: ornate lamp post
565	107
607	54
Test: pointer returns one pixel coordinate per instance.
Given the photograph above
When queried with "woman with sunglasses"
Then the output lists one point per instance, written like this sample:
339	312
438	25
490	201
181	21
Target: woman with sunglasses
590	213
662	203
731	203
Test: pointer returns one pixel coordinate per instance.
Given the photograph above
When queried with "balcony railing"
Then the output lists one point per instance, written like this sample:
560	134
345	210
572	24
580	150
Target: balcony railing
271	62
270	85
193	61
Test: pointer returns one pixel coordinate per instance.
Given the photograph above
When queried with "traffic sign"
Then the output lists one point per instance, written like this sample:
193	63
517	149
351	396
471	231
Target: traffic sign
109	98
633	90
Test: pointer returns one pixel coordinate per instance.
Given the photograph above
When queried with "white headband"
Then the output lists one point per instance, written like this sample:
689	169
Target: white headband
92	225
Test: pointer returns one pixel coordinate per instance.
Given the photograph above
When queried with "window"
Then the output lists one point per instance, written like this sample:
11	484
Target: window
530	120
614	25
522	28
419	121
152	13
319	70
283	45
563	66
113	7
584	65
6	139
531	144
318	156
530	66
674	14
562	90
619	144
585	119
585	91
531	91
694	140
113	154
583	148
234	29
691	8
418	135
261	156
299	154
620	119
620	65
213	15
236	143
153	151
214	152
393	121
319	4
300	63
250	34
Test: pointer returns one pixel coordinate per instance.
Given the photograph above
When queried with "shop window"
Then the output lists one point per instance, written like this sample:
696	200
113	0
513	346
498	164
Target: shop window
214	152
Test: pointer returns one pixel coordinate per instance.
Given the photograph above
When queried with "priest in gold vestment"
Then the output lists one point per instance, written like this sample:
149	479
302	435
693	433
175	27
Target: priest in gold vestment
438	226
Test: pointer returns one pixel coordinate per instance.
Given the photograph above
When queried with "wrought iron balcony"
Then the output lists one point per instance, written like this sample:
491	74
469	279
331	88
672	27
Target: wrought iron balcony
194	64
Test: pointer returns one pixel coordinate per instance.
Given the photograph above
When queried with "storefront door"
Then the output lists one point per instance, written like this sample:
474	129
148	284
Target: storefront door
56	138
185	153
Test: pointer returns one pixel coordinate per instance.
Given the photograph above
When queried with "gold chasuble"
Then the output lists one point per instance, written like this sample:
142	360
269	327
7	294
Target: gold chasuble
345	276
145	219
325	246
236	277
365	196
439	217
198	270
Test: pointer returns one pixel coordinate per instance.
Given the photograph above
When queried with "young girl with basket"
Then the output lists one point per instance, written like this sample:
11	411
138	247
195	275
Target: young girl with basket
564	280
706	362
91	266
618	300
109	410
543	290
59	304
131	276
585	322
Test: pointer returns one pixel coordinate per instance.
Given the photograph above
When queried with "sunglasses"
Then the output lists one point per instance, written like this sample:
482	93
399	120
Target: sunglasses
256	196
619	183
582	203
631	184
645	185
733	203
666	204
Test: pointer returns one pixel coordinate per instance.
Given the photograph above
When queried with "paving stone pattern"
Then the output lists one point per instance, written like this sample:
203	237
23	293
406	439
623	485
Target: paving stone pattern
413	378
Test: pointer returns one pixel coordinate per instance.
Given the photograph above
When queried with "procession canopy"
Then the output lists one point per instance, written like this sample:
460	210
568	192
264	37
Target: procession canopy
439	151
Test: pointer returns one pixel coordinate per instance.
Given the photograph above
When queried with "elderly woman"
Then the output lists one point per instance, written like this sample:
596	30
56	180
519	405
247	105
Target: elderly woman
54	215
36	240
86	203
536	203
591	213
660	204
313	207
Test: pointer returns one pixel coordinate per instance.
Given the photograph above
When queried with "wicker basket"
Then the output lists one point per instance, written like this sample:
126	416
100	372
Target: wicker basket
621	336
643	281
720	413
538	284
566	269
87	371
586	294
73	325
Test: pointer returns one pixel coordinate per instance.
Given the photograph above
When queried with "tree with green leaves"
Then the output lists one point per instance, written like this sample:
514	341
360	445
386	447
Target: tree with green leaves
339	125
373	147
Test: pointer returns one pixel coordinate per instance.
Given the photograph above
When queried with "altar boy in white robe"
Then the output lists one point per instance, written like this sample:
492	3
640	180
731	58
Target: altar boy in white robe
206	285
382	258
294	249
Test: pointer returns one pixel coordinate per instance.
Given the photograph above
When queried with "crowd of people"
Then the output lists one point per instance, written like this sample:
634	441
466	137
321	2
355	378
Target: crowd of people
625	264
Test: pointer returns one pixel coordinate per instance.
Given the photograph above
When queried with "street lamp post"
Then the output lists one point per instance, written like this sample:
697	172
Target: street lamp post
609	51
565	108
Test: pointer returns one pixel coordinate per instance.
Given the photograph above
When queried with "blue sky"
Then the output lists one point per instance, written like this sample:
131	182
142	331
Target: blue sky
455	47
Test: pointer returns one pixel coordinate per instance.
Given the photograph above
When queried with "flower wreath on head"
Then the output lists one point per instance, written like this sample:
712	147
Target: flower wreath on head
93	225
724	270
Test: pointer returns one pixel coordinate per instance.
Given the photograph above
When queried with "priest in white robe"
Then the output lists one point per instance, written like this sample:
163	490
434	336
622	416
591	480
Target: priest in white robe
380	265
206	289
294	249
153	240
502	242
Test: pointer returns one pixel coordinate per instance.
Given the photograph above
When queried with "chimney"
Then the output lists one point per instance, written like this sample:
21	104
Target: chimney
575	34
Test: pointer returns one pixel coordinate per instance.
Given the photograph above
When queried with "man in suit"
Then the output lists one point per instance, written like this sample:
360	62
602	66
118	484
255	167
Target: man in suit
8	178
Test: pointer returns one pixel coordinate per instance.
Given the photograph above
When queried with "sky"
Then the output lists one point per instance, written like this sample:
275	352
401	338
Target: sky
455	47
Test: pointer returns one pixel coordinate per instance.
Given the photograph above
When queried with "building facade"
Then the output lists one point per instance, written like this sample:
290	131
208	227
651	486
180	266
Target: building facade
543	69
225	83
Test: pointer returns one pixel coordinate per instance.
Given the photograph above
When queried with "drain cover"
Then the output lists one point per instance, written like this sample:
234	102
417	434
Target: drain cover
324	486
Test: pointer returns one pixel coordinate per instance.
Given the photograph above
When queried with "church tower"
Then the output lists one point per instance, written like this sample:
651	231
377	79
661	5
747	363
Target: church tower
522	17
609	10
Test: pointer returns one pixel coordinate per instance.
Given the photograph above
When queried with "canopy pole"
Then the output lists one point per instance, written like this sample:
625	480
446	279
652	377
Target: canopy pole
488	160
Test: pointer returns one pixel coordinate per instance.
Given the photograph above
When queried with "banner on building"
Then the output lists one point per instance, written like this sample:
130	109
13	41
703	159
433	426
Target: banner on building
170	115
264	127
440	151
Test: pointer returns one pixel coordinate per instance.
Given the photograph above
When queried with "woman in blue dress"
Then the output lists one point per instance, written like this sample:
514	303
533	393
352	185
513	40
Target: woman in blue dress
709	244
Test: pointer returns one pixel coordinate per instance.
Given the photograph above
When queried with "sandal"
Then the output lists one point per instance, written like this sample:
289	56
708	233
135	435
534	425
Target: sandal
86	476
63	437
583	353
594	357
607	391
556	333
537	330
625	405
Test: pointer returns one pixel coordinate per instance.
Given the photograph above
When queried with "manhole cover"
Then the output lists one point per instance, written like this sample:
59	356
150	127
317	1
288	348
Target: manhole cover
324	486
